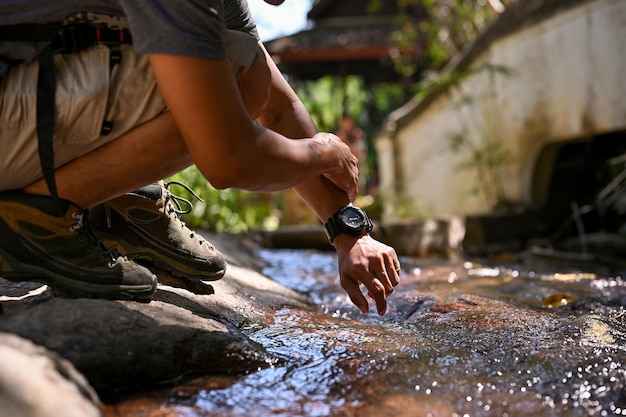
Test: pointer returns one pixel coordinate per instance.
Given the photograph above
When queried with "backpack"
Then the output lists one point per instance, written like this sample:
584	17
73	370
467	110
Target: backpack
59	38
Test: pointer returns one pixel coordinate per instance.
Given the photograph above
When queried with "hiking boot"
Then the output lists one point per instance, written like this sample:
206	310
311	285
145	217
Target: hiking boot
38	244
145	224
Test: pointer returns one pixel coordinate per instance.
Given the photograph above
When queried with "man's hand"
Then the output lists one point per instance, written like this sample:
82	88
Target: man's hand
364	260
345	175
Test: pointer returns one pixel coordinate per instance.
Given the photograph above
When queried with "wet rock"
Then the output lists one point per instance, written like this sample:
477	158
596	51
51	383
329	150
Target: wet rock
460	338
488	326
35	382
120	345
480	313
117	344
517	360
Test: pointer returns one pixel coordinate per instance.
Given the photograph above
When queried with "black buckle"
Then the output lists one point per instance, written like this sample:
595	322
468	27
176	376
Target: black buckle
73	38
76	38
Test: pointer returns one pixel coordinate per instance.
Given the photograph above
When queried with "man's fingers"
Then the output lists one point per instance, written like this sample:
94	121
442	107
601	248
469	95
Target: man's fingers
383	278
351	287
371	264
376	290
388	274
393	270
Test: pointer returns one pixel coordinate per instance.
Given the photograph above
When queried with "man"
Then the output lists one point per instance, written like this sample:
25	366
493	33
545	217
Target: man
116	131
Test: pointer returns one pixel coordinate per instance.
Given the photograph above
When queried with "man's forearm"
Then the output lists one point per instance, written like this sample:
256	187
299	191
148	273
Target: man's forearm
286	114
362	260
321	195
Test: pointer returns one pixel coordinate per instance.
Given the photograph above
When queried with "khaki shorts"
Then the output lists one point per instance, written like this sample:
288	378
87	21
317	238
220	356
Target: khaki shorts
87	94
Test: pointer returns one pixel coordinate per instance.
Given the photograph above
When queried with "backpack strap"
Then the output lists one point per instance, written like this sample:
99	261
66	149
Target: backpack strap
60	39
46	89
46	86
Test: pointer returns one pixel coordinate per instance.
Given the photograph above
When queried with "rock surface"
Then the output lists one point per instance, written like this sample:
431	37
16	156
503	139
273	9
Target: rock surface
120	345
525	337
35	382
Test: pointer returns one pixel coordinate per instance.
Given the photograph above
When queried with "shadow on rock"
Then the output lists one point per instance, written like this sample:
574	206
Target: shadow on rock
119	345
187	329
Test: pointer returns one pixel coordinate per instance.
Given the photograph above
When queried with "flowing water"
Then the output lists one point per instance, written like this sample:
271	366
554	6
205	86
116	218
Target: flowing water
460	339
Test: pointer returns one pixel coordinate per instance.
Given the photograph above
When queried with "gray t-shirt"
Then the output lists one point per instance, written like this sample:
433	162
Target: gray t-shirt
189	28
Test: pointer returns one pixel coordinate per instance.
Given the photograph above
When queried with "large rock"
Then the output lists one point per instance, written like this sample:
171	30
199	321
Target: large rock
117	344
35	382
186	328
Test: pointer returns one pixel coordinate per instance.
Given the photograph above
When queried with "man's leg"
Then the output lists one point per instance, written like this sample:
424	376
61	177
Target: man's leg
63	250
154	149
148	153
53	241
139	221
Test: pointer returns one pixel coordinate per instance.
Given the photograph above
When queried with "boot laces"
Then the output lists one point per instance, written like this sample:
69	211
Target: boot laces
176	206
176	201
83	227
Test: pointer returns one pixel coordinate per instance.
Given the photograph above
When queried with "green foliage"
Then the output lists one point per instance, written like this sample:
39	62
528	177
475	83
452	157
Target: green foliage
375	5
227	210
449	27
386	97
329	97
447	82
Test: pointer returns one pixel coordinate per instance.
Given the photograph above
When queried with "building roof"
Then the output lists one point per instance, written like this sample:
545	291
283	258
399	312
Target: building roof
346	38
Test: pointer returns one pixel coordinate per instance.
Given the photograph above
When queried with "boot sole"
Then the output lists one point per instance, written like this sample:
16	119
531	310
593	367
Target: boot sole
72	287
179	272
153	257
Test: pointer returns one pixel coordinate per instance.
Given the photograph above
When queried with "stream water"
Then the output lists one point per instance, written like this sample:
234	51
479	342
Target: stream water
460	339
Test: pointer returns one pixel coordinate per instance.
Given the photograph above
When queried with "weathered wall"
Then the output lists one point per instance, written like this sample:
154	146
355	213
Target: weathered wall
567	82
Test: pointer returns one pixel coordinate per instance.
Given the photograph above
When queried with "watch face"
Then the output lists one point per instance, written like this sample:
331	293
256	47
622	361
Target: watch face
352	218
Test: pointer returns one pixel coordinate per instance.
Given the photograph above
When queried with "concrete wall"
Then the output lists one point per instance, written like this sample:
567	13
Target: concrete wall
568	81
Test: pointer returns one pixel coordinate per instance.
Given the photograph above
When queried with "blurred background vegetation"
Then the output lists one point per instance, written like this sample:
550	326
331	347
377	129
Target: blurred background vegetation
452	24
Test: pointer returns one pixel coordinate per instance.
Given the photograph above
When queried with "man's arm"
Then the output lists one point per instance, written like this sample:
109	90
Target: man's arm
228	148
362	260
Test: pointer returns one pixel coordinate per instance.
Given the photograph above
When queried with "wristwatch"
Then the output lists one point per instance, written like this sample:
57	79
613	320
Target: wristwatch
348	219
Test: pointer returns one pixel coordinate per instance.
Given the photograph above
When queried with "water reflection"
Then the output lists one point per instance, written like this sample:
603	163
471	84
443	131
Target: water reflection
461	339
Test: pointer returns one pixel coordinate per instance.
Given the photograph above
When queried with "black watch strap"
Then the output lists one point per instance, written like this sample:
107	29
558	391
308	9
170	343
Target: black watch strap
348	219
332	229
